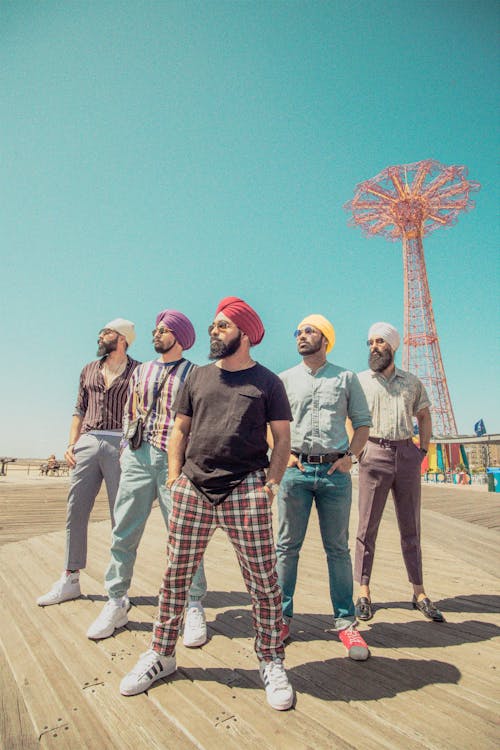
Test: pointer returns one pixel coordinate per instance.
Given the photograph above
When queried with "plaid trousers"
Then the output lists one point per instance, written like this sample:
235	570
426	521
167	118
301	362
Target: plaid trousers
246	518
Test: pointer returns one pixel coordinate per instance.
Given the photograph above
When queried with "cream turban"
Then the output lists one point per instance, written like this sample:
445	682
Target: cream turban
125	327
386	332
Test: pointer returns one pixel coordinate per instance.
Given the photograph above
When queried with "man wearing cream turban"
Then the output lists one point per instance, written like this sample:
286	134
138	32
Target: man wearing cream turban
93	452
392	461
216	460
322	395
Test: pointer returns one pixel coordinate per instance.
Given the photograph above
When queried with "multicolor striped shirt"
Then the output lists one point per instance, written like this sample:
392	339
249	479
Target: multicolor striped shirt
142	390
101	407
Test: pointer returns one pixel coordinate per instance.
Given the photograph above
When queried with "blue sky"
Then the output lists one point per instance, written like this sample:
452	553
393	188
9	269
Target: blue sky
167	154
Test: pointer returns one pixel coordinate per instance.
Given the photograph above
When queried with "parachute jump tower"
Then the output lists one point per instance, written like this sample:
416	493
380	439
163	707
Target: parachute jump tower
406	202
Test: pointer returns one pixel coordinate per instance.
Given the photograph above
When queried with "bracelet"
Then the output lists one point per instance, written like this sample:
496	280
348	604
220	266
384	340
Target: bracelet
70	445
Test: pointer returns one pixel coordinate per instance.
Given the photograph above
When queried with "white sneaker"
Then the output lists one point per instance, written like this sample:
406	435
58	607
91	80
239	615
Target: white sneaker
114	615
195	626
279	692
66	588
150	668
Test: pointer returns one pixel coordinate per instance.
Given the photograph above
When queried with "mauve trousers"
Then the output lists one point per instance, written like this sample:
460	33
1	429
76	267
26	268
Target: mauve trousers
380	470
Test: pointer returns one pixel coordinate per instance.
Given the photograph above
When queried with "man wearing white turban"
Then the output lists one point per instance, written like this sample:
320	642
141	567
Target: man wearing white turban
391	461
93	452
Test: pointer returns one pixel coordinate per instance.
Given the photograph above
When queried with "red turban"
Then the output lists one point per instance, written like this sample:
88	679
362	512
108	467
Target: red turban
243	316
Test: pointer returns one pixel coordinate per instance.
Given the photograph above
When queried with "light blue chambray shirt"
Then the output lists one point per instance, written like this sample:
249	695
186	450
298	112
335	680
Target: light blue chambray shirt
320	404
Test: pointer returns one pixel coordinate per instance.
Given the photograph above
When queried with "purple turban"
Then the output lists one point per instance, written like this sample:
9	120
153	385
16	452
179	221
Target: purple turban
181	326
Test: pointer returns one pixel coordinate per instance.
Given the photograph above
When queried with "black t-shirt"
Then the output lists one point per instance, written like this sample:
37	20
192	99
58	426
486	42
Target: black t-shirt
229	412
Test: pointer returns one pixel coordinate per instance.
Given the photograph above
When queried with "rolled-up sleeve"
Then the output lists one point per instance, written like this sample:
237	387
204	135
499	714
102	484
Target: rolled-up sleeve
358	409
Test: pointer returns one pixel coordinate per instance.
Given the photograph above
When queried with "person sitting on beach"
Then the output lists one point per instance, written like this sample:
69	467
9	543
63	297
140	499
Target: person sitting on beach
52	464
152	391
93	452
392	461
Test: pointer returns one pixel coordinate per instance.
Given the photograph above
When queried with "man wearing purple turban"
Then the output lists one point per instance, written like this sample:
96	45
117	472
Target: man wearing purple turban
152	391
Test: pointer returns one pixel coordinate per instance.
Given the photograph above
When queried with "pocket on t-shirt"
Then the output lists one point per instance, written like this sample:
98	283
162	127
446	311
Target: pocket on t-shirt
247	406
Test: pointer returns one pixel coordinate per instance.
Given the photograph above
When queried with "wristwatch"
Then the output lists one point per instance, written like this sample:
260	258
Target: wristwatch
274	487
351	455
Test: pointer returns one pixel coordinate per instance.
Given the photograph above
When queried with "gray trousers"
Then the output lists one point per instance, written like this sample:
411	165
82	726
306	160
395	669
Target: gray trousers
97	458
380	470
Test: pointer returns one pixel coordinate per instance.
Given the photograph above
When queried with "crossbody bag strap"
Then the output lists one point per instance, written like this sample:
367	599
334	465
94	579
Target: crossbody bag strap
160	387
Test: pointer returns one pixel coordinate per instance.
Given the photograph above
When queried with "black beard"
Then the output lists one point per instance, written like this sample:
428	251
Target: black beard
380	361
305	349
104	348
163	349
220	350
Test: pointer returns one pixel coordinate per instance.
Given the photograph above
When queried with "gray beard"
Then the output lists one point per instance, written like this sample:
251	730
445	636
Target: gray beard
380	361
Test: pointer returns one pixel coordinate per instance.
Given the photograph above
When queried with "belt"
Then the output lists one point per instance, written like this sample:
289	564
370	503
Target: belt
322	458
111	433
390	443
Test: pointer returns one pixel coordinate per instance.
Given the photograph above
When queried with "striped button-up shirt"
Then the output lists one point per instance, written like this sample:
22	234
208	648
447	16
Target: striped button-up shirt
393	402
101	407
142	390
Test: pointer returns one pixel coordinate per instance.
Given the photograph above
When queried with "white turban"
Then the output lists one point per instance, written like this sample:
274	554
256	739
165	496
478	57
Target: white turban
386	332
125	327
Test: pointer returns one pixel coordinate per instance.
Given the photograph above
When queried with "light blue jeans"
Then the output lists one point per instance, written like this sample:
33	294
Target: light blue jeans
143	479
332	495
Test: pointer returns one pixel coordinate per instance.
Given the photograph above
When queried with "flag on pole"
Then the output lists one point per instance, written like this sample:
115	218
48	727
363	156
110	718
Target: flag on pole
479	428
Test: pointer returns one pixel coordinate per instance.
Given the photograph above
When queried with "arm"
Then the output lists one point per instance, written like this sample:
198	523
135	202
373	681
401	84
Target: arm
177	447
74	434
280	455
424	420
358	442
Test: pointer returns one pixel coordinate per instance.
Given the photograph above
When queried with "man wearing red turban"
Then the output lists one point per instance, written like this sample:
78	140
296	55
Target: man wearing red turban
217	455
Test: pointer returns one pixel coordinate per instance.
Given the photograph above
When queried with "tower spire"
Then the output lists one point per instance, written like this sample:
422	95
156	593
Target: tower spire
406	202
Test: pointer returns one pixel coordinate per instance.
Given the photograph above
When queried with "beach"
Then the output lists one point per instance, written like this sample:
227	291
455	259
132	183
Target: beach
425	685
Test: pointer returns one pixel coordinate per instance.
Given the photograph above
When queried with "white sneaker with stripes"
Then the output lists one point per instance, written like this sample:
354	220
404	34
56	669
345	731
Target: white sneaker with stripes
150	668
279	692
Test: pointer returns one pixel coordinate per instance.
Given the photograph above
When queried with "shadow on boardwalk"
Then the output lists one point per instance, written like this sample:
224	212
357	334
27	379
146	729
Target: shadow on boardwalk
426	685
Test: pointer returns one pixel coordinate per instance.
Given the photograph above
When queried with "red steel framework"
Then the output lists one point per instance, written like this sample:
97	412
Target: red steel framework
406	202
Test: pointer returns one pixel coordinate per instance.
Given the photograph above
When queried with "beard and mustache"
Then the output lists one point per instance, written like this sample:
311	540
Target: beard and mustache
380	361
221	350
106	347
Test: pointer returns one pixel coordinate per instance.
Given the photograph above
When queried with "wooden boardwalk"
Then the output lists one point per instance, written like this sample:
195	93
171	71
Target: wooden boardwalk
425	685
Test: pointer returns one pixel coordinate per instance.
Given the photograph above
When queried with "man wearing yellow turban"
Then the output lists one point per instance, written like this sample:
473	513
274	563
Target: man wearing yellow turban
322	395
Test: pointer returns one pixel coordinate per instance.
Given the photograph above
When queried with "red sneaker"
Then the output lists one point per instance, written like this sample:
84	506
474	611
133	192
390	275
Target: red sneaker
354	643
285	631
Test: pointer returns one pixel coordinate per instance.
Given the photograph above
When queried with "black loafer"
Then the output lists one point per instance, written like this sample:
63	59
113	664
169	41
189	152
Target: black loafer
428	609
364	608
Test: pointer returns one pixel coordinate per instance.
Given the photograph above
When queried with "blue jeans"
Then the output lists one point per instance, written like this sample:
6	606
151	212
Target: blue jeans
332	495
143	479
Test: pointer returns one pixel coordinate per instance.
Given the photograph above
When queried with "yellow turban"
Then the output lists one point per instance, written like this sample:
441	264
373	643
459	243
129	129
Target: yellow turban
323	325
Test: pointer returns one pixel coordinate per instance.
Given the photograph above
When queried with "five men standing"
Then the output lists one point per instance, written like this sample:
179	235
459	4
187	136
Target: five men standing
214	425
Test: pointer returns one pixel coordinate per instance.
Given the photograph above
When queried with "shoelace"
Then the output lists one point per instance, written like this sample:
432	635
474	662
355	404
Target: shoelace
195	617
146	661
355	638
277	675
